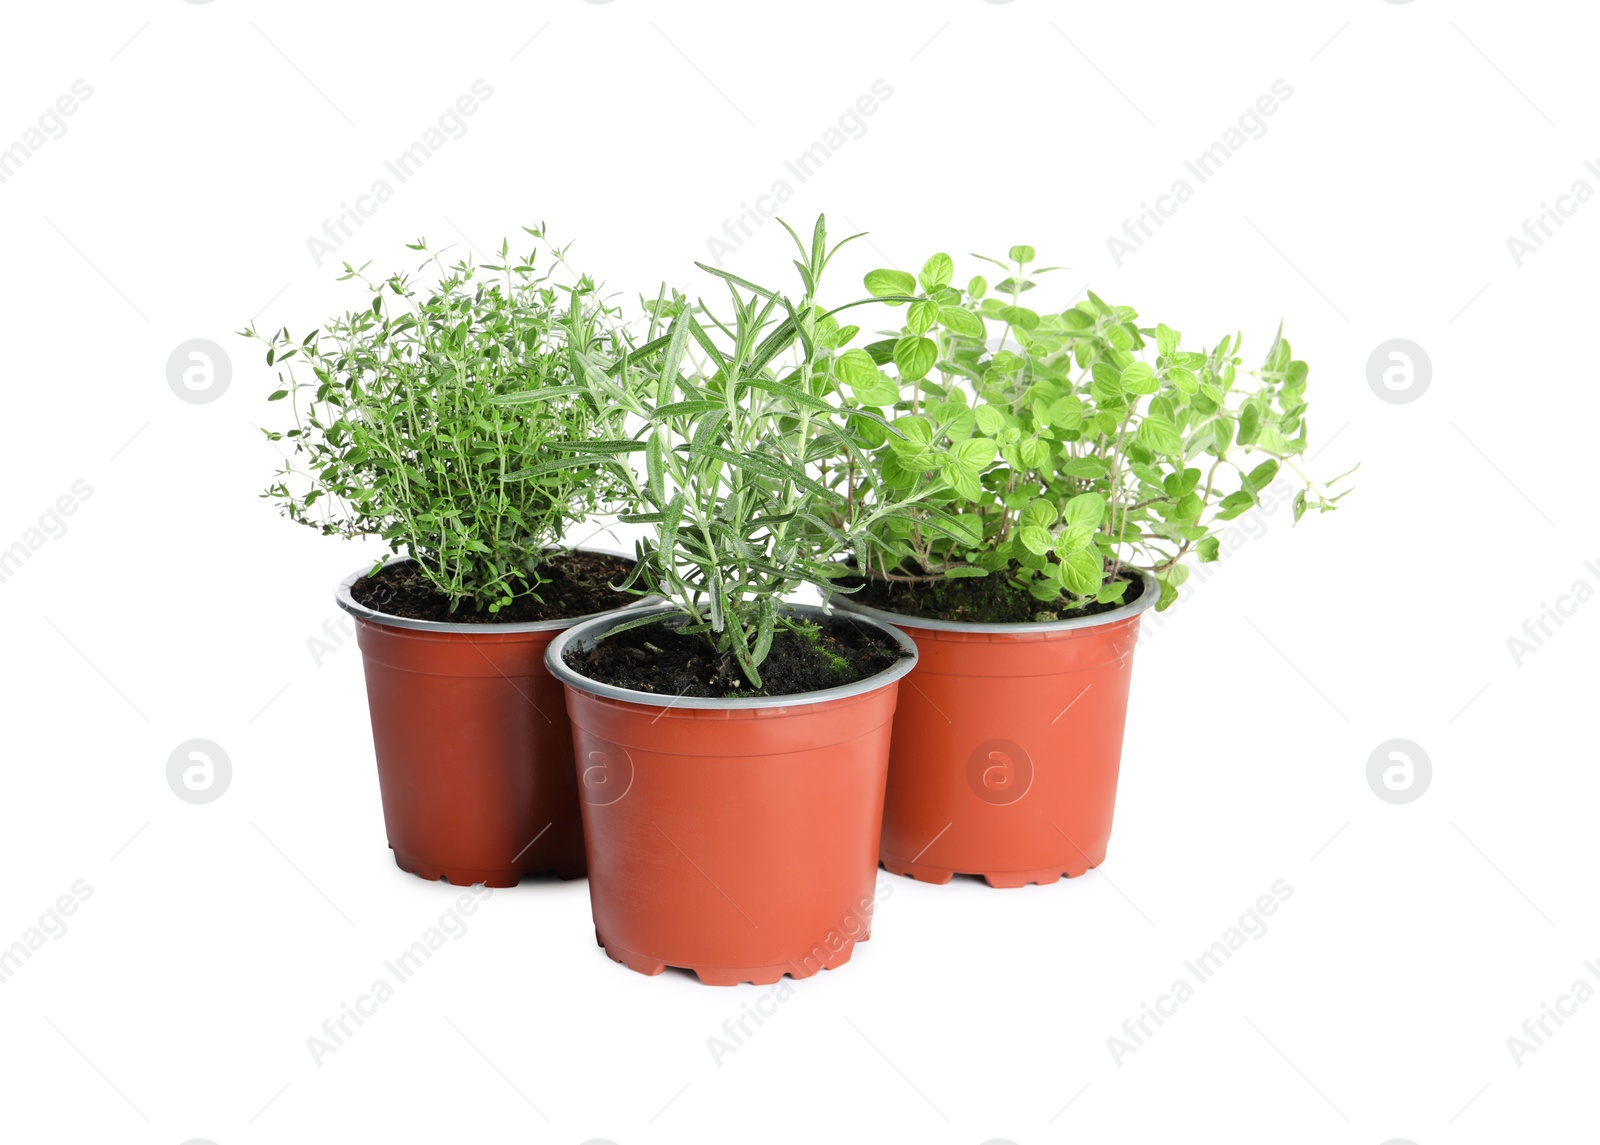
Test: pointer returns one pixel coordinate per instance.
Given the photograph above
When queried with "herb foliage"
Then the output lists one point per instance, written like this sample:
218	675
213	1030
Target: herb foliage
1066	445
739	418
407	415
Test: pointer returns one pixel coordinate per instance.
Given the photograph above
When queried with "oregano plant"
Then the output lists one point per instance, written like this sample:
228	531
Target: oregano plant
404	417
1059	448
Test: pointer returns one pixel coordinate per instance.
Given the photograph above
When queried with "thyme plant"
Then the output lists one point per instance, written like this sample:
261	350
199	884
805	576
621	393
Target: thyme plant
406	416
1073	444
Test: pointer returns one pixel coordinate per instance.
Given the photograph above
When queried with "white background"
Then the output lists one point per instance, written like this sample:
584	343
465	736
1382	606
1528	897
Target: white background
1376	205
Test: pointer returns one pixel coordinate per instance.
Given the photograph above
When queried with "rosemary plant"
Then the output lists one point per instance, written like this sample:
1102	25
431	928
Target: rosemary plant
738	416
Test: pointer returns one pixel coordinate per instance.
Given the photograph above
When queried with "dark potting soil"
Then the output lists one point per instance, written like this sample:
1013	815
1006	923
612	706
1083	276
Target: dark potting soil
991	599
655	658
578	585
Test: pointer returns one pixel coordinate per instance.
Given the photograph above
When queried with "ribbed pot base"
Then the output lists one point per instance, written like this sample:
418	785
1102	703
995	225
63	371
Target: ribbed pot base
805	967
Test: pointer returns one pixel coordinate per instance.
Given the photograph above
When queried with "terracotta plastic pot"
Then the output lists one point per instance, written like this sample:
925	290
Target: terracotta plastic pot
1007	745
737	838
473	744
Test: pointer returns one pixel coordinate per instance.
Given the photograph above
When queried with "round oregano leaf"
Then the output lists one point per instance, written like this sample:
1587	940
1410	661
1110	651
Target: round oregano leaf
880	391
1066	412
1081	572
1086	509
1158	434
960	320
914	434
856	368
1034	451
923	314
1035	539
867	383
965	482
1184	380
975	453
1038	512
915	355
883	283
1139	378
937	272
1072	539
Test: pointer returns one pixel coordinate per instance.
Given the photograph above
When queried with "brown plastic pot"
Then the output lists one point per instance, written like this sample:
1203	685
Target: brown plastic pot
736	838
473	744
1007	745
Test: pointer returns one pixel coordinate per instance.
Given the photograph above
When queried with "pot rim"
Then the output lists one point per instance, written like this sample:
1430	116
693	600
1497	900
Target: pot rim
560	670
345	600
1147	599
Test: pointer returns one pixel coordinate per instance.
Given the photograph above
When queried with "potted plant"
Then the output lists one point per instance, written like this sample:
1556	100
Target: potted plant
406	416
1086	458
733	747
